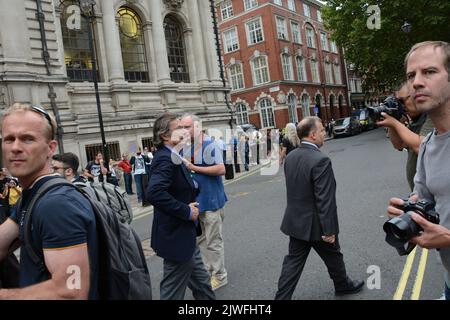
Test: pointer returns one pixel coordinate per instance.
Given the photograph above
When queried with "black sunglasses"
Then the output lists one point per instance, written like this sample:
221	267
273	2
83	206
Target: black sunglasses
44	112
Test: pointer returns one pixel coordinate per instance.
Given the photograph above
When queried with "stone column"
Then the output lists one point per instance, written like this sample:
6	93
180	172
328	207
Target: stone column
198	41
161	61
190	55
112	40
209	40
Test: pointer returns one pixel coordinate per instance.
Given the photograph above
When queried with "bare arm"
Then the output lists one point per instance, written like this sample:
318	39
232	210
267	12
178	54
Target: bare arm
282	154
215	170
9	232
87	174
69	269
409	139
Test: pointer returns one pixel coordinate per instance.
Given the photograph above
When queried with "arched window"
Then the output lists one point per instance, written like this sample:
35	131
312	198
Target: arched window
241	114
260	70
292	108
133	46
77	53
305	105
176	50
266	110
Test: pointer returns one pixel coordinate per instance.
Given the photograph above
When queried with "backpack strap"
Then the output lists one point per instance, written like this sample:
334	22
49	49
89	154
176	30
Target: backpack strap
32	251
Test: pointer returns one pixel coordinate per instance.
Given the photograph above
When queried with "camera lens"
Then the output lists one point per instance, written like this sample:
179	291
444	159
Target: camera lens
401	228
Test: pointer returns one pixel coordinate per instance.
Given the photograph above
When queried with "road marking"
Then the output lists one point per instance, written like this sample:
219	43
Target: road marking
405	275
419	277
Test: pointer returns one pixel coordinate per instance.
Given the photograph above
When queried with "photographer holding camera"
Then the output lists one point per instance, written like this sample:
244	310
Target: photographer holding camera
407	137
428	75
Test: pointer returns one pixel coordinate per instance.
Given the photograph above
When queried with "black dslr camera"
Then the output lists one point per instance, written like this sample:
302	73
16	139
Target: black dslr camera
391	106
399	230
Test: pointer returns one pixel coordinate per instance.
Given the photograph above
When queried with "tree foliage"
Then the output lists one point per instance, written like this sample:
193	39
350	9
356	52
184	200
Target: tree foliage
377	55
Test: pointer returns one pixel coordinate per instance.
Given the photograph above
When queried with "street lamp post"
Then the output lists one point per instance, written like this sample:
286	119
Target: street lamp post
219	56
406	28
87	9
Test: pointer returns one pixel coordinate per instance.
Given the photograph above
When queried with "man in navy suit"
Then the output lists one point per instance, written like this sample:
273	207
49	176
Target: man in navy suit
172	193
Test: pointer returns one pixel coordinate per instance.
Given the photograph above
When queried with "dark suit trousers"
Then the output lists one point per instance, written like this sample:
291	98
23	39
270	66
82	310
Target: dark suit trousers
294	263
192	274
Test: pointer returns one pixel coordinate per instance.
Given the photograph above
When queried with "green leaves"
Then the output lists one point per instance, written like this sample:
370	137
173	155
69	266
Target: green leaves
378	54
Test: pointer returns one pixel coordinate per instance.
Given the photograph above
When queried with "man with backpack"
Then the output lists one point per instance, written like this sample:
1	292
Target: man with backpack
64	234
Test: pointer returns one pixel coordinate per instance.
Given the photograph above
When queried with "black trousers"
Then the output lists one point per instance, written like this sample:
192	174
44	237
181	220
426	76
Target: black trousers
294	263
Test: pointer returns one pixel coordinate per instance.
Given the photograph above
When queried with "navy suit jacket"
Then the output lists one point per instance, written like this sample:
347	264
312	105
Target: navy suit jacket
170	190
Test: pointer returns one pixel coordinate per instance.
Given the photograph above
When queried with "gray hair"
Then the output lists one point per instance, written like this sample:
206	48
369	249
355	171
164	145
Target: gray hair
194	117
306	126
161	127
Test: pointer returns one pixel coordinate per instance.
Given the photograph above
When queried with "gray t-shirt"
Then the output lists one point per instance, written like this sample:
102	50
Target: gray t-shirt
432	180
422	126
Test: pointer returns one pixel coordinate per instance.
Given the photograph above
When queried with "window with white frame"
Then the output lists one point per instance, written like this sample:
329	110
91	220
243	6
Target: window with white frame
328	73
278	2
236	76
315	71
291	5
266	110
301	69
286	62
241	114
254	31
337	74
333	46
260	70
226	9
296	35
310	38
305	105
230	40
324	41
319	16
292	108
248	4
307	10
281	28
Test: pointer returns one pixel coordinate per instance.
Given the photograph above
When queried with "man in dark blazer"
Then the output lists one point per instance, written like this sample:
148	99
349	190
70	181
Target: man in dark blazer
310	219
172	192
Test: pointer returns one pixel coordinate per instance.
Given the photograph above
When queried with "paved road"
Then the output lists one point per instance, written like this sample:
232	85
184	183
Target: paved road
368	172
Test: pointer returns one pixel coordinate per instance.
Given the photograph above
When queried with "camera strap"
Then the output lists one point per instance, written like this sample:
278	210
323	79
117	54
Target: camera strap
405	251
399	245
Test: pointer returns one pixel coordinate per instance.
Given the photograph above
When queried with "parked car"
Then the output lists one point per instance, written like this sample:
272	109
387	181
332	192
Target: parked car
348	126
367	123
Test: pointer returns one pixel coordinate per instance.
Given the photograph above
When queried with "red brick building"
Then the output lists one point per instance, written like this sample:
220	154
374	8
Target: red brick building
280	62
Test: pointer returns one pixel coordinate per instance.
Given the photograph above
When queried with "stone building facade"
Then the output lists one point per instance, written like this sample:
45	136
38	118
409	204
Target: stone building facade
152	56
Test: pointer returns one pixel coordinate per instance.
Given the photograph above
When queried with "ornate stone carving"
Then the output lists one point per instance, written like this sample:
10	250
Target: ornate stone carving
281	97
173	4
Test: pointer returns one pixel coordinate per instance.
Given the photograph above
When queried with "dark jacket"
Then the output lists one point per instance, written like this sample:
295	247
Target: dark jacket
170	190
311	210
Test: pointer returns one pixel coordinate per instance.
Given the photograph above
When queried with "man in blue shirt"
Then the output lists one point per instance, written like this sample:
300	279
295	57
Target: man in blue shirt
63	222
207	168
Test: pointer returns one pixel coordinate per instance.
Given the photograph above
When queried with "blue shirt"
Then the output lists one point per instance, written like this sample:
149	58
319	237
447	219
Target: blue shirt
212	195
62	218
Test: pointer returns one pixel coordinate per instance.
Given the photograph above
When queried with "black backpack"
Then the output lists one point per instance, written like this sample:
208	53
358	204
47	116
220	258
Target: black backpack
123	272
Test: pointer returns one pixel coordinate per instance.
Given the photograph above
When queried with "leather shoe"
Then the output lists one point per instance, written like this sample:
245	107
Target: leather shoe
353	286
